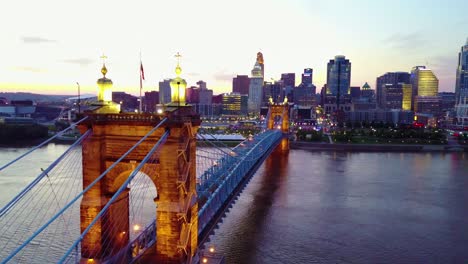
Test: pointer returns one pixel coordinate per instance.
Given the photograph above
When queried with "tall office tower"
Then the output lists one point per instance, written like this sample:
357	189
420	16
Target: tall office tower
389	78
165	91
256	86
240	84
289	79
407	95
425	87
275	91
424	82
392	96
261	62
307	76
304	95
192	95
461	85
151	100
338	77
202	85
205	96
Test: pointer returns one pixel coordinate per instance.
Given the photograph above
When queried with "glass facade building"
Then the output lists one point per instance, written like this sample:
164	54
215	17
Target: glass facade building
461	85
338	76
389	78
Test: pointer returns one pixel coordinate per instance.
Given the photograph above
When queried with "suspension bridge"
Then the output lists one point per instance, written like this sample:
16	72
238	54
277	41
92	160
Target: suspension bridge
90	205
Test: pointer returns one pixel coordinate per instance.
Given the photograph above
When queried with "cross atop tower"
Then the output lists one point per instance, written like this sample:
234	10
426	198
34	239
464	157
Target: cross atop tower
103	57
178	56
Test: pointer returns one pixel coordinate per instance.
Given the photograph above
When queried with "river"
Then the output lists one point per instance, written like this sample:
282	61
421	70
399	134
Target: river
330	207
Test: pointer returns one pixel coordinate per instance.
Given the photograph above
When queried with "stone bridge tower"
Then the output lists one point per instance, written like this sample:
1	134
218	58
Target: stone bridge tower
173	174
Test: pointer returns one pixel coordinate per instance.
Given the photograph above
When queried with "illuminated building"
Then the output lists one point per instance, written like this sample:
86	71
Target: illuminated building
256	85
424	82
407	95
425	87
261	62
240	84
338	76
234	104
461	87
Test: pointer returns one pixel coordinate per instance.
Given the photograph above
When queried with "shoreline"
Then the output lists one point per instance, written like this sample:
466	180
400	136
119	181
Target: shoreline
376	147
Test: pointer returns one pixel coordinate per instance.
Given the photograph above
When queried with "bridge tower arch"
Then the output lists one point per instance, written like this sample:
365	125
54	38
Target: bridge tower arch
173	173
280	110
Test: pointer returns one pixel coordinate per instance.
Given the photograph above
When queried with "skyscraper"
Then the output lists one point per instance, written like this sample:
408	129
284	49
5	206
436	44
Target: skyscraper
256	85
425	87
289	79
261	62
393	78
338	76
165	91
307	76
240	84
461	85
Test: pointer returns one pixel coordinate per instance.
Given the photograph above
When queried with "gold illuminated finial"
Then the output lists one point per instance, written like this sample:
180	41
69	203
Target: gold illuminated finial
104	69
178	69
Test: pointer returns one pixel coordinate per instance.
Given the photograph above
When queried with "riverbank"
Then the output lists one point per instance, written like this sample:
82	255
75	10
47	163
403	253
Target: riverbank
376	147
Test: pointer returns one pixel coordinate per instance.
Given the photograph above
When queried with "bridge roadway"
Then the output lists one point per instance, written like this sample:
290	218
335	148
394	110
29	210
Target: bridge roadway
229	178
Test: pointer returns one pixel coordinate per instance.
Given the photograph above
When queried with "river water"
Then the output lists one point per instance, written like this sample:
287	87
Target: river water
330	207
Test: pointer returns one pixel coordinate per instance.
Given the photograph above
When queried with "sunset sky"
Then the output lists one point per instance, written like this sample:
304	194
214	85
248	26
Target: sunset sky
47	46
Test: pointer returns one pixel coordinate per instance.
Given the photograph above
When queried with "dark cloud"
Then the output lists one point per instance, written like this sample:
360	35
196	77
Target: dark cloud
79	61
405	40
35	40
29	69
223	76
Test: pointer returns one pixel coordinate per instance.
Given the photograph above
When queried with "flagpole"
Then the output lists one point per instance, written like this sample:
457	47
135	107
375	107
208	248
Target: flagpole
141	83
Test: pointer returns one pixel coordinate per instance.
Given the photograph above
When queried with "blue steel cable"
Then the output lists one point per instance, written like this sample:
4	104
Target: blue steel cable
84	191
114	197
43	143
18	197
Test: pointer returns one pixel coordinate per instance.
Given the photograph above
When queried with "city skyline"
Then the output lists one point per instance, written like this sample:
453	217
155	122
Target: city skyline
49	51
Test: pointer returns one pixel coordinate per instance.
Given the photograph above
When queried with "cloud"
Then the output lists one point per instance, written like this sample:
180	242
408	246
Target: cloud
35	40
193	74
444	68
223	76
29	69
80	61
405	40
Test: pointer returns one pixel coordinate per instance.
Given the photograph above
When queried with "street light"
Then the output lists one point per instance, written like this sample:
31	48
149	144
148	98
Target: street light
79	109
